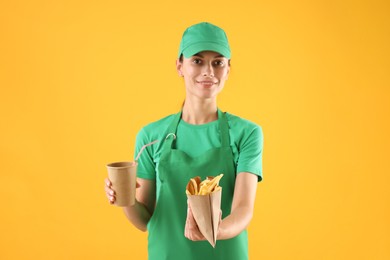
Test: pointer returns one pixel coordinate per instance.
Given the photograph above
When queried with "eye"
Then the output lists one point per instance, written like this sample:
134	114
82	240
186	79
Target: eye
219	63
196	61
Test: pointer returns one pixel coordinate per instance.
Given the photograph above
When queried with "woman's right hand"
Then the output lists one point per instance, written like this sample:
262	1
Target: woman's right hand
110	193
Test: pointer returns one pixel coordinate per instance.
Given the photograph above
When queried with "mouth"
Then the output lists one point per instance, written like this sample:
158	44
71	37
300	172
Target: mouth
206	84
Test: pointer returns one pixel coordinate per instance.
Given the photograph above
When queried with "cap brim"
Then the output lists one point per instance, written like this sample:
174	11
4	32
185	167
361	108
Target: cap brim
206	46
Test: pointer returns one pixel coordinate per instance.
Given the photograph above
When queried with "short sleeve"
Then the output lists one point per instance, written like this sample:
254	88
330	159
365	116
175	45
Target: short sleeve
251	152
146	166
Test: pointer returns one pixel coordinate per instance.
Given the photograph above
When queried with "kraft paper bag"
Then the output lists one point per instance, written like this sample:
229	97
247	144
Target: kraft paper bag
206	210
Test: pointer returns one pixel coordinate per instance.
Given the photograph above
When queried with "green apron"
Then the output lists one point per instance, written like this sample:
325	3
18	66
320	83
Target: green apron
166	238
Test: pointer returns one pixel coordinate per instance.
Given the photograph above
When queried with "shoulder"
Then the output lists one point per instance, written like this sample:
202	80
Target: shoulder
243	129
158	124
241	123
156	129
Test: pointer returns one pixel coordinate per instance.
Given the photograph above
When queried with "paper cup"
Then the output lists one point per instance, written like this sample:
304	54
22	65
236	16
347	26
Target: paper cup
123	178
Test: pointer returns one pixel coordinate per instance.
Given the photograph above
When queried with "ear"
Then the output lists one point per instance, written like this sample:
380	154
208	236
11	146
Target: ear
179	67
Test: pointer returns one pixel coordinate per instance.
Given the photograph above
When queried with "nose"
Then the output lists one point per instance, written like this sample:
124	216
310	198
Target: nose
208	71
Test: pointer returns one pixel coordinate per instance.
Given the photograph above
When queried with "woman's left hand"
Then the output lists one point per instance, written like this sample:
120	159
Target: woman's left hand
191	229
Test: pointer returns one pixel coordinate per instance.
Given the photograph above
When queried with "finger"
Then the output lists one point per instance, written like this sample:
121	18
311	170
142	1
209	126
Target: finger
194	235
192	231
110	194
137	185
186	232
189	215
109	191
107	182
110	198
190	218
197	237
189	226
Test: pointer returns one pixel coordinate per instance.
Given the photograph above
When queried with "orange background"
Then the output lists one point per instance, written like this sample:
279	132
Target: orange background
80	78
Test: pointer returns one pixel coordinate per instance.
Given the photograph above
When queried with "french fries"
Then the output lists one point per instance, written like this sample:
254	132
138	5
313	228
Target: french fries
209	185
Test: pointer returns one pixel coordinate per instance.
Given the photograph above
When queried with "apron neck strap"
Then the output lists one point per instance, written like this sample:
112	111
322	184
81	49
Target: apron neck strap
223	126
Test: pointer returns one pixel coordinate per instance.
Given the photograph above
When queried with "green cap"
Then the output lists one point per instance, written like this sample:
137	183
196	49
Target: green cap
204	37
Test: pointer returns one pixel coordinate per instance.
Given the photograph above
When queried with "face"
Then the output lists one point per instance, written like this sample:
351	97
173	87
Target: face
204	74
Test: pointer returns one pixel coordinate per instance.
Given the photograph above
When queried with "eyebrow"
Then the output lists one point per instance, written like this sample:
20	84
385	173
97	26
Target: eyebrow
199	55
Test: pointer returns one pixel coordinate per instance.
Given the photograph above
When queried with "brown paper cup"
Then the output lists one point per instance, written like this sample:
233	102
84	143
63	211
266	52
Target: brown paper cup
123	178
206	211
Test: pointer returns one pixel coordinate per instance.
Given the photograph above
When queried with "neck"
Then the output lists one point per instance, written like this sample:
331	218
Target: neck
199	111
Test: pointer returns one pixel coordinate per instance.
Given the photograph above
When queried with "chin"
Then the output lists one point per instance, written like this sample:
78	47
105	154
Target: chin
208	96
205	93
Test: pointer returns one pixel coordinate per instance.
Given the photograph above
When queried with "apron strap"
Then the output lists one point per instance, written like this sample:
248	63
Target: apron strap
171	136
224	129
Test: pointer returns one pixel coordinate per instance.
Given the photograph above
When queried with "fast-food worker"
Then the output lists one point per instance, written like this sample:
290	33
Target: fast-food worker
200	140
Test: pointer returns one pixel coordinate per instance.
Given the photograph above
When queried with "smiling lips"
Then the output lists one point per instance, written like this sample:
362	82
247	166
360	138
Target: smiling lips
206	84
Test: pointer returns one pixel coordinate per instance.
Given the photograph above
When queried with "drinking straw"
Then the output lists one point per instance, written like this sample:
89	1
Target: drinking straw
143	147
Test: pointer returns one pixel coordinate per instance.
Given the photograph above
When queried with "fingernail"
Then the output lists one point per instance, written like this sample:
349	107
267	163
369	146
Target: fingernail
112	192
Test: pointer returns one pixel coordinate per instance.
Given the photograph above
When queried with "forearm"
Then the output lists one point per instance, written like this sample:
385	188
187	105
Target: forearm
138	215
235	223
242	206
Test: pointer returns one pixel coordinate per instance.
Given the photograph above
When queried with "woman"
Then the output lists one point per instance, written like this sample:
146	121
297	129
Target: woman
198	141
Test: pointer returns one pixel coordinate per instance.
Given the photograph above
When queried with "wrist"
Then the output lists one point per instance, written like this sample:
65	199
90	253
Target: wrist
131	208
222	232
